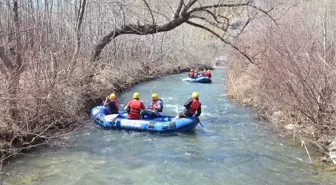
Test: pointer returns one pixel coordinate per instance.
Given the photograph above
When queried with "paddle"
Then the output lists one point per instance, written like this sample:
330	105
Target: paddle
111	117
199	121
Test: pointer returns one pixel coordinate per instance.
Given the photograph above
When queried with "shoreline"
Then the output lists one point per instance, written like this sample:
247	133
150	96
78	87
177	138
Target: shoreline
289	131
90	102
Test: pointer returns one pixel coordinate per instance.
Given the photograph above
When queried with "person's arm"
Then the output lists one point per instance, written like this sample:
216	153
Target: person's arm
117	105
158	106
142	106
105	102
150	107
127	106
188	103
199	111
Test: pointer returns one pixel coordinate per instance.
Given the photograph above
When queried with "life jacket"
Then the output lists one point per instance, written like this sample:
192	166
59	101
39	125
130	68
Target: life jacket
191	74
204	73
209	74
154	103
113	106
194	106
135	109
195	74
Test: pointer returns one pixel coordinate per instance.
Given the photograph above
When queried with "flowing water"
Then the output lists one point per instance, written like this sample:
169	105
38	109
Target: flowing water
231	148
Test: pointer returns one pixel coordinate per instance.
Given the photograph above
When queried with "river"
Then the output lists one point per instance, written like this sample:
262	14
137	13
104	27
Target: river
231	148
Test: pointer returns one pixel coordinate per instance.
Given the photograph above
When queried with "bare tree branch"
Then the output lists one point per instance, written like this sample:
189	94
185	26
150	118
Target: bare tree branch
209	22
184	16
202	8
135	30
178	10
225	41
187	7
150	11
78	37
266	13
243	28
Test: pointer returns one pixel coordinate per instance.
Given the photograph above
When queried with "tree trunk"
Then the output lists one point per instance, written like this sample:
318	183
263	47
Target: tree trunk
15	74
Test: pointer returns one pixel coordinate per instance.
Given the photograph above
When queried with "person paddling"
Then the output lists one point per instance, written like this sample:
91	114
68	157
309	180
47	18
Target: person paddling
112	103
192	107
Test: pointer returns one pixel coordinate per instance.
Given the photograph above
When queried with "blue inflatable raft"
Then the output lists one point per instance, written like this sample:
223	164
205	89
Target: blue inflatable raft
202	79
163	124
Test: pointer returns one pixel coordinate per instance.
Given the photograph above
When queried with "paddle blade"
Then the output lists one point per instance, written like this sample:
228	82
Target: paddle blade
111	117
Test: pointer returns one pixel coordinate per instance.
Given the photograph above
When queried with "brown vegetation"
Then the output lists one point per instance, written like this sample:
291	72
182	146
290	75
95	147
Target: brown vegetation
293	79
53	70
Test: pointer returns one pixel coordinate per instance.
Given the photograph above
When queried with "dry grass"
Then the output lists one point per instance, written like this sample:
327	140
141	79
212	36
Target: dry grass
51	95
294	79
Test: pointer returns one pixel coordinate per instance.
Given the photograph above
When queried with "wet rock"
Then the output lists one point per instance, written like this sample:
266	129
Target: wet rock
276	117
290	127
326	159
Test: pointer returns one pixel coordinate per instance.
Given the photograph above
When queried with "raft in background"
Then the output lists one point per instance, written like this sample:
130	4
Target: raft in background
163	124
202	79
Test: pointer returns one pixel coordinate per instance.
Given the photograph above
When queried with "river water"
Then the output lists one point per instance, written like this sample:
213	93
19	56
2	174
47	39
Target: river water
231	148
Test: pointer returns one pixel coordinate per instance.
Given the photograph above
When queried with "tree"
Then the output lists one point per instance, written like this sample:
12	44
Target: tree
191	12
13	66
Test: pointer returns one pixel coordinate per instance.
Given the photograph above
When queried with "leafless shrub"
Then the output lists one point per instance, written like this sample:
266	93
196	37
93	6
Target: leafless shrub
295	71
53	70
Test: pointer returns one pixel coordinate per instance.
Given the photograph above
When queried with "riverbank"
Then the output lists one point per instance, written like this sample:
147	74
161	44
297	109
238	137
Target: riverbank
290	81
75	105
231	142
248	88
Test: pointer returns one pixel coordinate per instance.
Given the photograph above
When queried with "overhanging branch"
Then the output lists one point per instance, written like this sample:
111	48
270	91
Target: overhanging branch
209	22
221	5
150	11
178	10
182	15
225	41
135	29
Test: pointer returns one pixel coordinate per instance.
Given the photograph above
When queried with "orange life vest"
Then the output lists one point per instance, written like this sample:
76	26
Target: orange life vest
135	109
194	106
209	74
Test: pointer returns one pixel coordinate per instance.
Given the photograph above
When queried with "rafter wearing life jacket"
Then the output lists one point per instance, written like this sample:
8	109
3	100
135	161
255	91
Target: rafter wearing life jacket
192	107
112	103
195	74
134	107
204	73
209	74
191	74
157	104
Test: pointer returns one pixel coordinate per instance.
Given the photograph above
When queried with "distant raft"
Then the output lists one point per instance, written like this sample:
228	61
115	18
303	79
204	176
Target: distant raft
202	79
163	124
